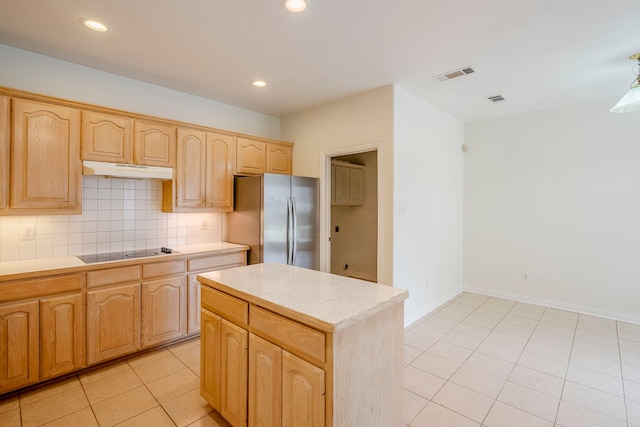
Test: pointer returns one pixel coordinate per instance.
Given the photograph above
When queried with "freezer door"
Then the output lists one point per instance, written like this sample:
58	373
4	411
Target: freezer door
276	192
306	201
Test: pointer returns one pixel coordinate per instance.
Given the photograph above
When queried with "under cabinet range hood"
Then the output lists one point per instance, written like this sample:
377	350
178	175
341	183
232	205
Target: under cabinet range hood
121	170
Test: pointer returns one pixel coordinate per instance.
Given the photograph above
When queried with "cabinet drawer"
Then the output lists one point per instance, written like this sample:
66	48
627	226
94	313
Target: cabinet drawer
159	269
284	331
23	289
216	262
229	307
113	276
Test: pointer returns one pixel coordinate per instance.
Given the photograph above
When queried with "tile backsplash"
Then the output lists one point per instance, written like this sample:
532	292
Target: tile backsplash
117	215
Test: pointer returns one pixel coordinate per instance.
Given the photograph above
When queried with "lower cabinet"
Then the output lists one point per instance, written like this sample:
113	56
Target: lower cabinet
233	350
19	357
41	339
164	310
302	393
62	335
251	380
113	322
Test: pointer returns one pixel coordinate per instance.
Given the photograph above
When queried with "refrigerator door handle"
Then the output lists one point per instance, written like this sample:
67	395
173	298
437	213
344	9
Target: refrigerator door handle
295	231
289	231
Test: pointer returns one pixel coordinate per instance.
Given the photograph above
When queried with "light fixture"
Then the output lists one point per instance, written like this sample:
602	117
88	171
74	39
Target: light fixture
259	83
295	6
94	25
631	101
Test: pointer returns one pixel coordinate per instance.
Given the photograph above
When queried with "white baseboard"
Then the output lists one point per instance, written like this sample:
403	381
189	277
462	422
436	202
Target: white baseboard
556	304
411	318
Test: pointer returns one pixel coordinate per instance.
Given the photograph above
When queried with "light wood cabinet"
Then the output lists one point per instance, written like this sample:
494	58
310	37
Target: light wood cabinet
107	138
204	173
113	322
164	310
19	353
4	151
206	263
303	386
62	335
234	373
221	151
44	135
347	183
210	358
250	156
154	144
279	158
265	382
255	157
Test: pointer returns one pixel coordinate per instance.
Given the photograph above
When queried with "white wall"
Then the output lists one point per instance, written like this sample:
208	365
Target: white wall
428	179
20	69
556	194
362	119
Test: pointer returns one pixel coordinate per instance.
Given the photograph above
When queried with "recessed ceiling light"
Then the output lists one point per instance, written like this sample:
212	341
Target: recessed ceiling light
94	25
295	5
259	83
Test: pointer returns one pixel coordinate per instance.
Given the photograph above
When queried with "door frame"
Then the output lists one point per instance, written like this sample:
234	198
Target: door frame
325	202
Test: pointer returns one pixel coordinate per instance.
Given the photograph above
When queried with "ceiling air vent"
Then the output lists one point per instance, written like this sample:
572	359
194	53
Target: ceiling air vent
453	74
496	98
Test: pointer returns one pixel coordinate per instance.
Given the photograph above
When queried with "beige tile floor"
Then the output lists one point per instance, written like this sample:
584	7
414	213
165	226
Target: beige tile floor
159	388
481	361
476	361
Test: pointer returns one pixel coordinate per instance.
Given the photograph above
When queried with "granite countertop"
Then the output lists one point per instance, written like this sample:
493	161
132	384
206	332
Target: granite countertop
15	269
326	301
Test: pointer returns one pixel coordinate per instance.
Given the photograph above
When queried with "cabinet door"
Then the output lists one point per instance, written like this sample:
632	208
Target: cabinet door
193	305
107	138
279	158
302	393
62	335
164	310
45	135
190	169
233	399
356	185
265	383
220	157
250	156
4	151
342	185
18	345
211	358
154	144
113	322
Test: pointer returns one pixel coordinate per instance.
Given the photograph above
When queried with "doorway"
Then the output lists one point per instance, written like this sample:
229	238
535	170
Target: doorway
351	220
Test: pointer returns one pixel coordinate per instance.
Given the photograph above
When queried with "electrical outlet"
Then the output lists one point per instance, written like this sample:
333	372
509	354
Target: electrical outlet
28	232
204	224
525	277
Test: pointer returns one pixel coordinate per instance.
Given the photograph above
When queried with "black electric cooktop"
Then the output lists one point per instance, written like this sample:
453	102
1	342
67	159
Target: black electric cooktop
117	256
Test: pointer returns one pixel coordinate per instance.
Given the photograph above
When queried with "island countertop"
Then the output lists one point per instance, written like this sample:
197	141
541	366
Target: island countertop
326	301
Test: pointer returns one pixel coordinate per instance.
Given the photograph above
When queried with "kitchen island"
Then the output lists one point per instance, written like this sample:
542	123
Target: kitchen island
283	345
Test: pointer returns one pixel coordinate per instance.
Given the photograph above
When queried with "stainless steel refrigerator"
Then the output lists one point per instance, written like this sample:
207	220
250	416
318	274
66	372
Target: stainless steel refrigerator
278	217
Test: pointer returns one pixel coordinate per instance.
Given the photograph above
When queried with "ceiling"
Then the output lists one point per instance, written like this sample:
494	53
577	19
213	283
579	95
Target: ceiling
536	53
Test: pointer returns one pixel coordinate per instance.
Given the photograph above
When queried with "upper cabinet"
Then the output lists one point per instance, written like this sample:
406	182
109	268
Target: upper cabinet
107	138
347	183
250	156
44	135
221	152
254	157
203	175
154	144
279	158
4	151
